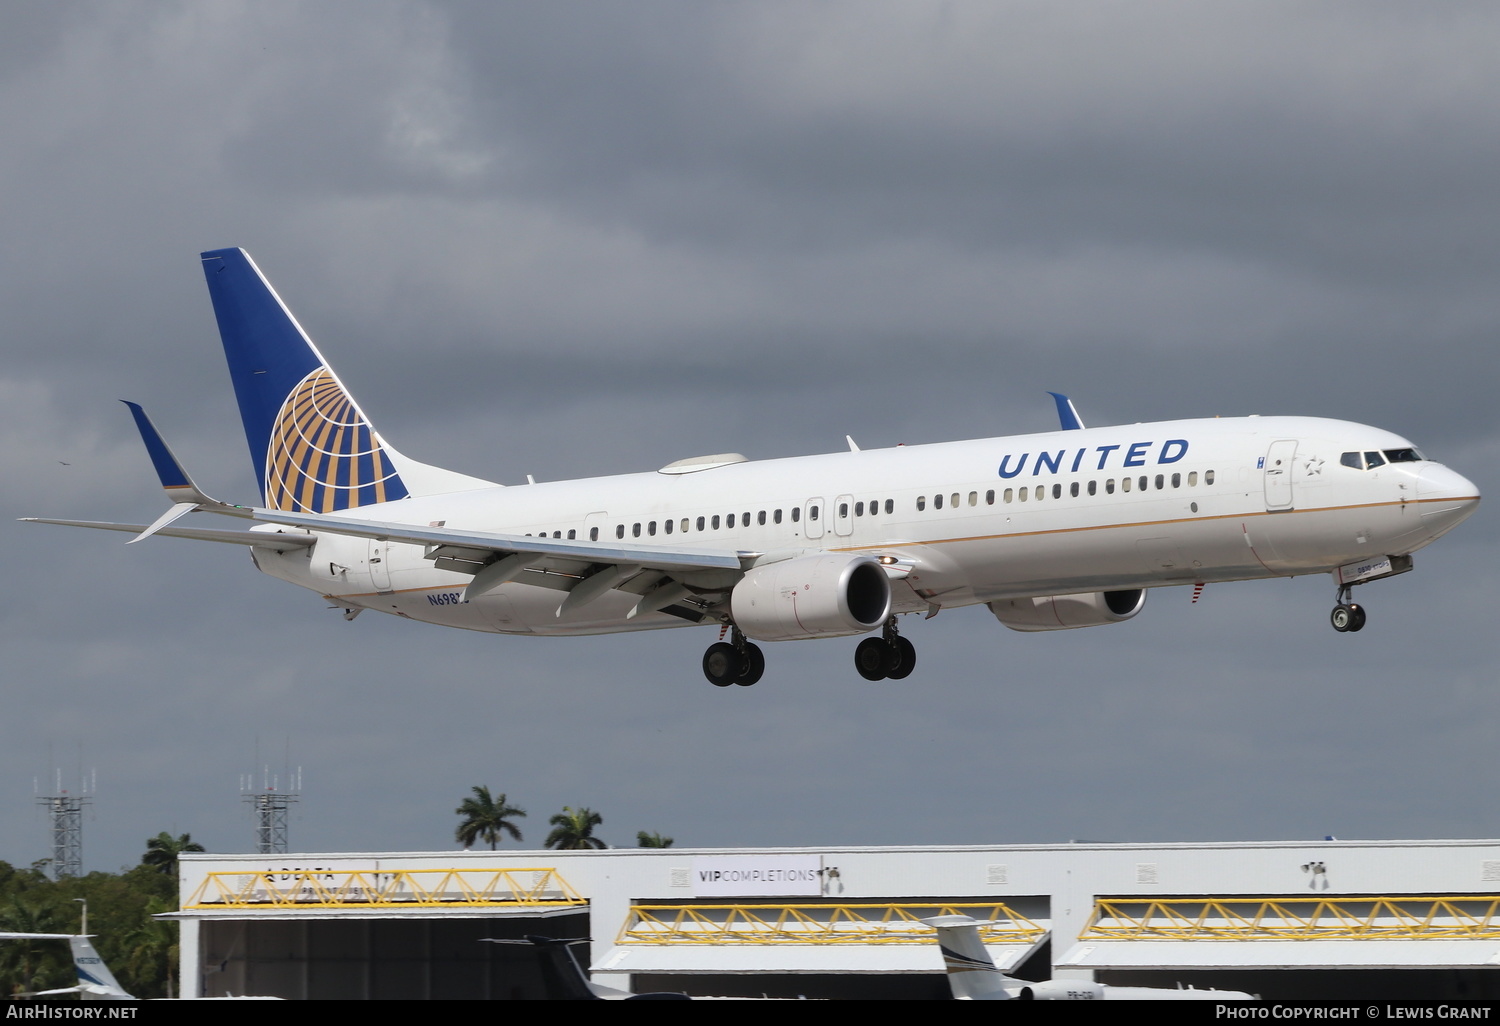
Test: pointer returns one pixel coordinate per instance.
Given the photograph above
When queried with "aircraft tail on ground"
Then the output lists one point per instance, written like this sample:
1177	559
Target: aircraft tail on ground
94	978
313	448
971	971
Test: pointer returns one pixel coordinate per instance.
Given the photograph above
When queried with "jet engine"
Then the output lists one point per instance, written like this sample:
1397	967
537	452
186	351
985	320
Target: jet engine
812	597
1063	612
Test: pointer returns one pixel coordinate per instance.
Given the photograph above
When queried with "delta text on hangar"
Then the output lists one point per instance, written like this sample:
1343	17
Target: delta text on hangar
1284	919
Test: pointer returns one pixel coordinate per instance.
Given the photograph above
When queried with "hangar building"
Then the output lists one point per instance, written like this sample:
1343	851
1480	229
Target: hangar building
1329	919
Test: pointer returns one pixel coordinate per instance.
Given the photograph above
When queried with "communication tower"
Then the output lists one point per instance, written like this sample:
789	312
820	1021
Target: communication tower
66	811
270	803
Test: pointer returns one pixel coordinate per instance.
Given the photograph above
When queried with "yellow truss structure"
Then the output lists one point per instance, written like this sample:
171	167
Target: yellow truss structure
814	924
531	887
1422	917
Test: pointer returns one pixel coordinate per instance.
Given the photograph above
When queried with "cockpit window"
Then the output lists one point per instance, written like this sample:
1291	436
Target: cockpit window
1371	460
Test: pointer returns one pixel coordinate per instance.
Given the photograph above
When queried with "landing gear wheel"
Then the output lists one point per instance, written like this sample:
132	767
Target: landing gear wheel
873	659
1347	618
722	664
905	661
754	661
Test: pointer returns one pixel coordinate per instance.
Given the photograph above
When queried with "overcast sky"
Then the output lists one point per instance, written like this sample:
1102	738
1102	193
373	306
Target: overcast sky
570	239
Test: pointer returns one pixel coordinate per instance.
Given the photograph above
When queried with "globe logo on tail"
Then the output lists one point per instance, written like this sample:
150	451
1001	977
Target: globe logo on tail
323	455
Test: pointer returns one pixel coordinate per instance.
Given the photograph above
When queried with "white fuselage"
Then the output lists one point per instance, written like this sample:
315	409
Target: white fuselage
958	523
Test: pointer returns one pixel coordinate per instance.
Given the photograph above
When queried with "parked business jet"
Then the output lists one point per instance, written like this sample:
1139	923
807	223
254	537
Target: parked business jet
1050	531
973	975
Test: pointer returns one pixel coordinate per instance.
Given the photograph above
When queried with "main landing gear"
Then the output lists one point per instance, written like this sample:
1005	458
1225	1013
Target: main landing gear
735	661
889	655
1346	616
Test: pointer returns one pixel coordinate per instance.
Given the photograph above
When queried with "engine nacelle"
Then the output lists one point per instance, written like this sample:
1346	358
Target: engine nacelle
812	597
1064	612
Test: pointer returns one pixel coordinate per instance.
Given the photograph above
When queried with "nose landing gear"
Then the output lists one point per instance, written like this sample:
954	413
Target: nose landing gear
1347	618
736	661
889	655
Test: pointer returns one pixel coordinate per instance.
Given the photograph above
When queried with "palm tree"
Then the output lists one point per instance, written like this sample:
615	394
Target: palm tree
486	819
574	828
645	840
163	849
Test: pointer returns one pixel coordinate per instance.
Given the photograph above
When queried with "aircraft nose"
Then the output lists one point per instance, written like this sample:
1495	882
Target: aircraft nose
1446	497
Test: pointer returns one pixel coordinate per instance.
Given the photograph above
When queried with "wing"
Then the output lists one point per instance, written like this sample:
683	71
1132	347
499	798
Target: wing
585	569
260	539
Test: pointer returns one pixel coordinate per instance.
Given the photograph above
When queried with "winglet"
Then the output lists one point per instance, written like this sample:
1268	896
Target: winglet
185	494
1066	413
180	487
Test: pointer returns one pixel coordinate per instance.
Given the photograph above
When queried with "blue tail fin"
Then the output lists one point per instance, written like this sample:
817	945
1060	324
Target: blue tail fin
314	450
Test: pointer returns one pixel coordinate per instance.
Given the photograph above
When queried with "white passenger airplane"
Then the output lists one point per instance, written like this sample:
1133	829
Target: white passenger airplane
1050	531
973	975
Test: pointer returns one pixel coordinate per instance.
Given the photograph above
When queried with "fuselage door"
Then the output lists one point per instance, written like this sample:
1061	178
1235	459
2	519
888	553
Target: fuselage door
1278	468
380	569
812	518
842	514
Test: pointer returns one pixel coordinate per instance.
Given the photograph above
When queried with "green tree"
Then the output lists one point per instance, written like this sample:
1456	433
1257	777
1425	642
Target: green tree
28	965
574	828
486	819
163	849
653	840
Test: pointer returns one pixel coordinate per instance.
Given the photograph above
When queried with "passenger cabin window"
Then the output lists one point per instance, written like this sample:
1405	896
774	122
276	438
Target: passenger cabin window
796	513
921	503
989	497
700	523
620	531
593	534
1208	477
715	522
760	518
890	505
635	531
937	502
776	516
729	520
